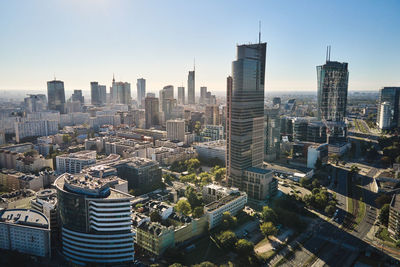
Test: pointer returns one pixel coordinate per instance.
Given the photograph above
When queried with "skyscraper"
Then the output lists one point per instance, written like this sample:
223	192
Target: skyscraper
389	101
333	80
181	95
191	88
151	112
77	96
35	103
56	96
120	93
245	115
98	93
203	94
141	91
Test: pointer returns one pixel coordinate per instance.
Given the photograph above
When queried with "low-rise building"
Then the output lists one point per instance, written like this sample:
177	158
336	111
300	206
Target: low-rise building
317	152
214	192
211	150
232	203
26	231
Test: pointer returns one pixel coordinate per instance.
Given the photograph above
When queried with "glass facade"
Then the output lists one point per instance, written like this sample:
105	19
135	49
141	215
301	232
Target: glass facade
56	96
332	90
245	122
390	95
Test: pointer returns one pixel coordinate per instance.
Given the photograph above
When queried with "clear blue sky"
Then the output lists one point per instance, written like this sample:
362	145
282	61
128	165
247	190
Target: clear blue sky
88	40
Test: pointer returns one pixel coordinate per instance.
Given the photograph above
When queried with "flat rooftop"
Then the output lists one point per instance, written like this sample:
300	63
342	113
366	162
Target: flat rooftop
258	170
223	201
25	217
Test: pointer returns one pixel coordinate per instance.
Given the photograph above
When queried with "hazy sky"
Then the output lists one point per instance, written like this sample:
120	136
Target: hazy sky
88	40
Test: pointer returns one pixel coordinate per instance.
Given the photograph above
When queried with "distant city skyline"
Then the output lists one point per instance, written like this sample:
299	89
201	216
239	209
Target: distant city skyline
88	41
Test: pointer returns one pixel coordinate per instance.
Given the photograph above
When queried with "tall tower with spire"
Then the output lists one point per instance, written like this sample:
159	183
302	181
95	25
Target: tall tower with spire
191	86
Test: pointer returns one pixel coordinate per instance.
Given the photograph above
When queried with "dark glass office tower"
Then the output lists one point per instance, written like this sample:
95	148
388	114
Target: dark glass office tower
141	91
151	112
333	79
191	88
56	96
245	112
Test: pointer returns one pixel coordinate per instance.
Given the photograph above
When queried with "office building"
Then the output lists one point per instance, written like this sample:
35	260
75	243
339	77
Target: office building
141	91
333	78
385	116
35	103
390	96
272	133
211	114
276	101
203	94
120	93
232	203
56	96
74	162
98	94
214	192
317	152
176	130
181	95
191	88
95	220
211	150
259	183
25	231
152	112
77	96
245	112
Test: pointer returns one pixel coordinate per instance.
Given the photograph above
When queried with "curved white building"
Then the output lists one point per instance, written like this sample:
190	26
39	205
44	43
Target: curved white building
96	220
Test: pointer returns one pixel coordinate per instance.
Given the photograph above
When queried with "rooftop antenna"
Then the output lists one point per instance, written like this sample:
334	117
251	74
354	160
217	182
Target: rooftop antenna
329	58
194	64
113	78
259	31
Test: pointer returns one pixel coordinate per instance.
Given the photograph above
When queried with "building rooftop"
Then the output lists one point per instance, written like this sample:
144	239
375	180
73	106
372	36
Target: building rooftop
85	154
85	184
223	201
258	170
25	217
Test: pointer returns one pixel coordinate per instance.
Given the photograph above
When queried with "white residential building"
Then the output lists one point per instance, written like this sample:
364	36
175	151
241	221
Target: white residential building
213	149
35	128
213	192
74	162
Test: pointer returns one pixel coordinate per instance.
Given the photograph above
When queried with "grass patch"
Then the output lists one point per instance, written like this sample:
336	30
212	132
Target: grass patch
361	211
262	243
383	234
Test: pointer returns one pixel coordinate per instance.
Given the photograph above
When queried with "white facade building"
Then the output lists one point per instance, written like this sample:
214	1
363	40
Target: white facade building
26	231
213	149
74	162
232	203
35	128
385	116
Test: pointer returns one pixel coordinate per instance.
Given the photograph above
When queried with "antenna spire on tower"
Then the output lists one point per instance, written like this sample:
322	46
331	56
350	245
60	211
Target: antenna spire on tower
194	64
259	31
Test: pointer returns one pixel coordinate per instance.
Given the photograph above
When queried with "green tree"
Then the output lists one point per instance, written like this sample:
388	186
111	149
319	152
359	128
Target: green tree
330	209
155	216
219	174
227	239
205	178
192	165
268	228
176	265
192	197
197	127
183	207
244	247
268	215
190	178
384	214
198	212
228	221
205	264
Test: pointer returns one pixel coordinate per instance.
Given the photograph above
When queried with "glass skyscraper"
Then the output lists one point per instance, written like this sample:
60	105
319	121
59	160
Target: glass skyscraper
56	96
191	88
245	112
332	90
141	91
